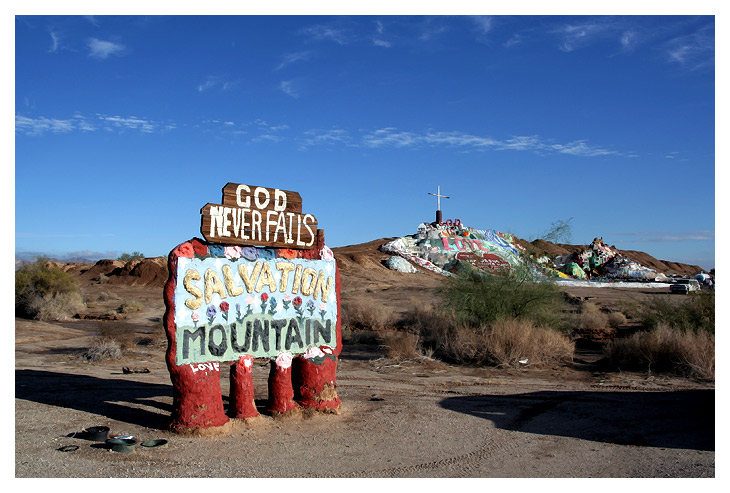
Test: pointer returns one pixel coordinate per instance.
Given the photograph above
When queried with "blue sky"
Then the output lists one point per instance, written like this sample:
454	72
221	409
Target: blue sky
125	126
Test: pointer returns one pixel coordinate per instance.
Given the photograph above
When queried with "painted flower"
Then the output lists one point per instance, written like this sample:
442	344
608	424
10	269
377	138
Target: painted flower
272	306
267	253
286	301
327	350
195	318
310	307
232	252
283	361
298	301
264	298
184	250
224	310
249	301
326	253
288	253
246	360
210	312
313	352
322	310
216	250
250	253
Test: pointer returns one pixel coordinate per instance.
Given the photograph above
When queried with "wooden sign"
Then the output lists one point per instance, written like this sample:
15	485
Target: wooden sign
258	216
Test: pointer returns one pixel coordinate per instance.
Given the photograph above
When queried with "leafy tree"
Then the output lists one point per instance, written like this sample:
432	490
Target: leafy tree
126	257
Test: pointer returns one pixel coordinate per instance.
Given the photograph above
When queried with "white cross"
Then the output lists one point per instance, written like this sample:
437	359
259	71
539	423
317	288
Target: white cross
438	196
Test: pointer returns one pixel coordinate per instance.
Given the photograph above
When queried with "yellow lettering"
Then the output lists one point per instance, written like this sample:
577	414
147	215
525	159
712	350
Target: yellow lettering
285	268
321	288
190	276
308	277
297	279
213	284
233	290
266	277
248	281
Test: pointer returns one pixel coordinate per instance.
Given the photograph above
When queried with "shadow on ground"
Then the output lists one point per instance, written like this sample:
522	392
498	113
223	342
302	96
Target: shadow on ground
116	398
681	419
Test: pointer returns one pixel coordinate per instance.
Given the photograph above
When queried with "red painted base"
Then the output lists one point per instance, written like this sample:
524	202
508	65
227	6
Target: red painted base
197	399
281	393
242	402
315	385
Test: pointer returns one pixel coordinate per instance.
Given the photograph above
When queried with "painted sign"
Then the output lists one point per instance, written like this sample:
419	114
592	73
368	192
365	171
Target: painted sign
230	307
251	215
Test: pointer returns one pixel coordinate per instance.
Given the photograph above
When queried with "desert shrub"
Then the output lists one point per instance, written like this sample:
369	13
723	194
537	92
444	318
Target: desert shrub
665	349
591	317
503	342
616	319
694	313
106	295
103	348
45	292
401	345
123	334
101	278
482	299
130	307
126	257
361	314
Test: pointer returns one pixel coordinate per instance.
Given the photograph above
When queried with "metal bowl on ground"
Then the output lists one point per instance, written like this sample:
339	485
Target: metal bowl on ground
159	443
122	445
97	433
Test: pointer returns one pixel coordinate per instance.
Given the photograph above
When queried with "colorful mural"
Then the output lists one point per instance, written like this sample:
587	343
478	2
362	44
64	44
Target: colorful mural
453	249
231	306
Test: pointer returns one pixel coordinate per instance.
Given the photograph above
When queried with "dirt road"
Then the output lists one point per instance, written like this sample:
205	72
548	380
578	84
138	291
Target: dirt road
410	419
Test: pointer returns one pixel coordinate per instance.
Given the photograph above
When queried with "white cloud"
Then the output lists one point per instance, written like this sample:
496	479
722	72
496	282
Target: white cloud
287	86
55	41
103	49
323	33
693	50
483	23
293	58
41	125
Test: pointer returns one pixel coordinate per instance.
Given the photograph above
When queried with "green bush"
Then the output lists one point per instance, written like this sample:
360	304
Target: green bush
45	292
126	257
694	313
481	299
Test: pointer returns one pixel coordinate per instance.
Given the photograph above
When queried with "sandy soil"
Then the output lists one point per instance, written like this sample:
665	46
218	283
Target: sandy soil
420	418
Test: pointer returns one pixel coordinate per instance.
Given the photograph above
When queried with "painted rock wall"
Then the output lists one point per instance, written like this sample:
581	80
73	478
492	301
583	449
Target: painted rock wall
454	249
230	304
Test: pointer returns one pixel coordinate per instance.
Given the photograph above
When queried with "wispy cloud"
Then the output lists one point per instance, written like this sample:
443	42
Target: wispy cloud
326	33
693	50
669	236
103	49
482	23
55	42
287	86
293	58
42	125
391	137
215	82
574	36
379	34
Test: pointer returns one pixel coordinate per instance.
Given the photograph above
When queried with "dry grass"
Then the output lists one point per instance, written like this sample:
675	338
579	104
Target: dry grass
664	349
103	349
131	307
401	345
57	306
616	319
591	317
360	314
504	342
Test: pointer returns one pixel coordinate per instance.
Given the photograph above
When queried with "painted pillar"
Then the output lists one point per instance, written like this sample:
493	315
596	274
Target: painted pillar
281	393
242	403
196	390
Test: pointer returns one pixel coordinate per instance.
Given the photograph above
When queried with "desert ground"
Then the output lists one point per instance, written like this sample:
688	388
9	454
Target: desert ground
419	418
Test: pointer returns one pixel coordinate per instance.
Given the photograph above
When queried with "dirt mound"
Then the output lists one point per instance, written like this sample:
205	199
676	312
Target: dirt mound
137	272
664	266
